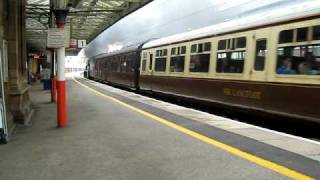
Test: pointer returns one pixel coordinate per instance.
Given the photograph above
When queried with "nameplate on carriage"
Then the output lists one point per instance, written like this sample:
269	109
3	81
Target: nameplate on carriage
242	93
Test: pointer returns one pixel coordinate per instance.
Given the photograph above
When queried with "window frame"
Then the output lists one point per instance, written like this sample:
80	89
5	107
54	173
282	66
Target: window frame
265	57
230	41
178	53
309	42
209	52
162	55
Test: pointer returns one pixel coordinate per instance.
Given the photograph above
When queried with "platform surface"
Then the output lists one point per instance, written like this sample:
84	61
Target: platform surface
106	139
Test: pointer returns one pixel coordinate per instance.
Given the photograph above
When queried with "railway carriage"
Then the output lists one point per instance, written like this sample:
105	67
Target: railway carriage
273	68
119	68
266	64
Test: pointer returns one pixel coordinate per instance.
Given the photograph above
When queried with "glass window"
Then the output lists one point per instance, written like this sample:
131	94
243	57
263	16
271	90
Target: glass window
114	65
193	48
199	63
230	62
228	43
261	51
150	61
299	60
129	67
207	46
173	51
241	42
233	45
316	33
158	53
165	52
177	64
160	64
286	36
123	64
178	51
200	48
302	34
144	65
183	50
222	45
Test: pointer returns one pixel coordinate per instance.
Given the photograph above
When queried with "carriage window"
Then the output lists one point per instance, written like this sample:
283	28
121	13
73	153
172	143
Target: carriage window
299	60
222	45
150	61
199	63
123	64
130	65
230	59
261	51
173	51
286	36
161	60
177	64
231	62
177	59
178	50
200	59
160	64
241	42
193	48
200	48
115	66
183	50
165	52
302	34
316	33
207	46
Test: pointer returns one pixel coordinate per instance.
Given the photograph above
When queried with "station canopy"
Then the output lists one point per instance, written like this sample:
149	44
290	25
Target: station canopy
86	19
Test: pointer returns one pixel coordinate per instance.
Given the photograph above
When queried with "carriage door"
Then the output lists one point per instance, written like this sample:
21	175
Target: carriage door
260	57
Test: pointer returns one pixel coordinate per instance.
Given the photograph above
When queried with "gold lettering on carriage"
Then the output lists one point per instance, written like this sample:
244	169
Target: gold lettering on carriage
242	93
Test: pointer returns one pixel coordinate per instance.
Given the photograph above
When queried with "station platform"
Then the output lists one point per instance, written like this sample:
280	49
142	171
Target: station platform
115	134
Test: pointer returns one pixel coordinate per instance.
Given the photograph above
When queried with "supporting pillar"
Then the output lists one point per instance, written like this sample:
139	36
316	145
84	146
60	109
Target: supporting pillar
18	90
61	88
61	80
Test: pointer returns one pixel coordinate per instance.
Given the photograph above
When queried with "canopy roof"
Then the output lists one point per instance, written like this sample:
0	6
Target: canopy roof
87	18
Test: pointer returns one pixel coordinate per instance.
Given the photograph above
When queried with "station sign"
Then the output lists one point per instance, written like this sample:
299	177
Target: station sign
82	43
55	38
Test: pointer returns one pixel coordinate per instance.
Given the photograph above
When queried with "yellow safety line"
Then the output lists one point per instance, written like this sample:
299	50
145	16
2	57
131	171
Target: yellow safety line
257	160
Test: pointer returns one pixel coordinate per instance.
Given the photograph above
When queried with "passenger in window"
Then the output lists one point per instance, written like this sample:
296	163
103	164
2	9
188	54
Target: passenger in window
177	68
304	68
286	67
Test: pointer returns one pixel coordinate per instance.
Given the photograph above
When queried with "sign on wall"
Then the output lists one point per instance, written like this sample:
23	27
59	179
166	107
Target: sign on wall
55	38
82	43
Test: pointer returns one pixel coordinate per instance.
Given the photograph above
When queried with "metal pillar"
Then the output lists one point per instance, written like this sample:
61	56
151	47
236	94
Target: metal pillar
61	80
61	88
